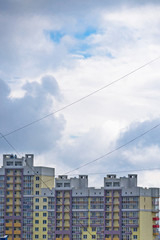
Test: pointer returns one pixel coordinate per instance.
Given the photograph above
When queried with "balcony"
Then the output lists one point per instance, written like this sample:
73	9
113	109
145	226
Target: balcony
59	224
116	217
16	224
116	209
9	210
18	174
116	202
18	188
9	232
155	233
156	226
10	195
156	219
9	224
17	232
9	203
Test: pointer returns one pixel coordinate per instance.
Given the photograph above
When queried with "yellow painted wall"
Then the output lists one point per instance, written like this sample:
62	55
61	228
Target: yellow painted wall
40	211
47	182
89	231
145	219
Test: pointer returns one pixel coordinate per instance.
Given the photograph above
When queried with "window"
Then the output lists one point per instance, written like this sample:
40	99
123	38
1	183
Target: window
18	163
93	229
44	222
36	236
44	214
36	229
36	214
36	221
37	185
93	236
134	229
44	199
135	237
85	236
44	236
44	207
108	184
85	229
116	184
9	164
59	184
37	199
44	229
37	192
37	178
37	207
66	184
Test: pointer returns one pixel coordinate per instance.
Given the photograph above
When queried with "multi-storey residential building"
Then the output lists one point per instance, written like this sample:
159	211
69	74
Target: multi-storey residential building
20	187
36	205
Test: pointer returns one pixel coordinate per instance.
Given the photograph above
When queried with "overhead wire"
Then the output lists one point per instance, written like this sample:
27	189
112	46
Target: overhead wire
65	207
115	172
108	153
80	167
9	144
92	93
82	98
114	150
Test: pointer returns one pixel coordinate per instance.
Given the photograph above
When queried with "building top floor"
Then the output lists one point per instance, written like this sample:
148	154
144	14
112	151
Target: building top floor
79	185
11	161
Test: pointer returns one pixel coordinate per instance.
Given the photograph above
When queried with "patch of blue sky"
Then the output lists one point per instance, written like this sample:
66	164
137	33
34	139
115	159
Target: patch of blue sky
109	55
82	49
74	136
54	36
88	32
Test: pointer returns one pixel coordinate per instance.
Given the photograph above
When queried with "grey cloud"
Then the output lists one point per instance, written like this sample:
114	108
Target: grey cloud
93	147
137	128
70	7
26	52
37	102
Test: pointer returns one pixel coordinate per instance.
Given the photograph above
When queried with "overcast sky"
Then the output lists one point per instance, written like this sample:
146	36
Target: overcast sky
54	52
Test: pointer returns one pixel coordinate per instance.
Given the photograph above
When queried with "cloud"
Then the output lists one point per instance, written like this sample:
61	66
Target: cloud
46	35
85	45
138	128
37	101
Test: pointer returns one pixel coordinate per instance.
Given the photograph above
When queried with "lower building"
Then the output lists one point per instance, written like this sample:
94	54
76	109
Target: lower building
36	205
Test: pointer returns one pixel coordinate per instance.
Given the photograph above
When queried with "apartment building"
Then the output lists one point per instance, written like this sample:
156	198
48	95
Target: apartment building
20	185
36	205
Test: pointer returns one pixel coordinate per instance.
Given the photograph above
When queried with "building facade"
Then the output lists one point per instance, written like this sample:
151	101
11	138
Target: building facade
36	205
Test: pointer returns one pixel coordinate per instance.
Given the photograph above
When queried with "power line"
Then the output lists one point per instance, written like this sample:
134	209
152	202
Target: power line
65	207
121	171
82	98
2	136
116	149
